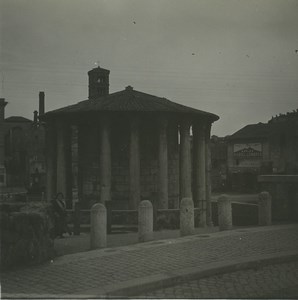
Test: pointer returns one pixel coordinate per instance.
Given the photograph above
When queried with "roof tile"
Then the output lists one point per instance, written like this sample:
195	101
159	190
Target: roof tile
128	100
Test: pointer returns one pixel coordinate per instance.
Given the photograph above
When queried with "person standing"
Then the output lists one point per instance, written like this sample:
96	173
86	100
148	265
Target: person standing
59	208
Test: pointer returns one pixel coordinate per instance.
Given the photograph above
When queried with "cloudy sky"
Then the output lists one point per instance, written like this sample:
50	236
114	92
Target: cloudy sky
238	59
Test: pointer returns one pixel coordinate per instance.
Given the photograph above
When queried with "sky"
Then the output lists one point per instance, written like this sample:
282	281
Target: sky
235	58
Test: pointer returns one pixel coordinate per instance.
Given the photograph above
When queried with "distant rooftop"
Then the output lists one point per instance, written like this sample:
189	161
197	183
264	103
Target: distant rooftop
259	130
263	130
285	117
17	119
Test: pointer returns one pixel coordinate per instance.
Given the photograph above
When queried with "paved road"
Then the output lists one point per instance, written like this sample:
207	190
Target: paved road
99	272
274	281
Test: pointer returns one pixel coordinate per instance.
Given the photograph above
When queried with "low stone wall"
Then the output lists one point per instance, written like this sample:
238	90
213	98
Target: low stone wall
284	192
163	218
170	218
25	234
243	214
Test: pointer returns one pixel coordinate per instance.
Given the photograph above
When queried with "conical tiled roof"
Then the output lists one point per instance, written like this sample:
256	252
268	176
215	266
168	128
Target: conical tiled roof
128	100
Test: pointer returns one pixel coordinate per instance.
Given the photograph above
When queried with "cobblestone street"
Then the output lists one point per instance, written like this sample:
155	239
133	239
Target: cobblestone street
100	272
274	281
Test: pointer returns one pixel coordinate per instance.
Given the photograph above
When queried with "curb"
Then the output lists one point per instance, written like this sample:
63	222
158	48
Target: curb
163	280
139	286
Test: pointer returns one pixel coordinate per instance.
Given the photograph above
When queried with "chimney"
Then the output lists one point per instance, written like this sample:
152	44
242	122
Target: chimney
41	103
98	83
2	109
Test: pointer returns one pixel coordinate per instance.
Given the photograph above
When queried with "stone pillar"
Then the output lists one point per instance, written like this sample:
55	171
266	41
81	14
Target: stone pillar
163	165
187	224
264	208
51	161
173	164
145	221
134	164
208	176
77	219
185	161
105	161
199	156
98	230
64	172
224	213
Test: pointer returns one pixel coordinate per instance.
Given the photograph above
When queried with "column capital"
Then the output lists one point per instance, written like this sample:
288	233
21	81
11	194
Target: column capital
199	129
185	124
162	121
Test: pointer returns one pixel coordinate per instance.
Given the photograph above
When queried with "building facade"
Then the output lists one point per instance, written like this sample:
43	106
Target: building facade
22	150
263	148
219	158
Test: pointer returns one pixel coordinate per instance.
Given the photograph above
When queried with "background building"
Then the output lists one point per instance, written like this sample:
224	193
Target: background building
263	148
219	157
22	150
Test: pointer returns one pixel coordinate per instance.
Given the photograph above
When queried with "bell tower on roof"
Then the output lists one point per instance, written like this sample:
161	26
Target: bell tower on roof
98	82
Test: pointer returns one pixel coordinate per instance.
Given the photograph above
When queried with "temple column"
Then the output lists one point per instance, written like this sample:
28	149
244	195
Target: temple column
82	134
51	161
105	161
208	175
64	161
200	169
134	164
174	172
163	164
185	161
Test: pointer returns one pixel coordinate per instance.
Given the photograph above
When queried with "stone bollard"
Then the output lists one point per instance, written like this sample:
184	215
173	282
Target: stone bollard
98	230
145	220
76	219
264	209
187	224
224	213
